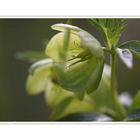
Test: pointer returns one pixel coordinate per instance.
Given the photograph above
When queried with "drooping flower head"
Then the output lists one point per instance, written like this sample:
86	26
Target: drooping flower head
74	67
78	58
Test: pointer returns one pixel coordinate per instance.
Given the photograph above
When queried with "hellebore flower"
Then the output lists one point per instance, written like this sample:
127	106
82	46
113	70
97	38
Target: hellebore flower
64	102
78	58
74	68
42	79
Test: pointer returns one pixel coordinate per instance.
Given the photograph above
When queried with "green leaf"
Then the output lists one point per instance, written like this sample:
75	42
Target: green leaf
71	105
88	116
136	102
134	116
79	58
133	46
30	56
110	29
39	73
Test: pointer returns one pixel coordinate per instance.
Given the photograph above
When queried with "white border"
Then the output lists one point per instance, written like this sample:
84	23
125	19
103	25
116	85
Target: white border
70	8
62	131
67	16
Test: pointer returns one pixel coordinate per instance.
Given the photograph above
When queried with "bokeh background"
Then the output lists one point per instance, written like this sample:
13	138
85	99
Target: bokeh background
32	34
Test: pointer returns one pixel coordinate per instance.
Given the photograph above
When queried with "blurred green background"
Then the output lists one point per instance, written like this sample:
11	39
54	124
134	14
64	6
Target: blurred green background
32	34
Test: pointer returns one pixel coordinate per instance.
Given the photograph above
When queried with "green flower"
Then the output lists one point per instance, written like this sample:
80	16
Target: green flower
78	58
63	102
74	68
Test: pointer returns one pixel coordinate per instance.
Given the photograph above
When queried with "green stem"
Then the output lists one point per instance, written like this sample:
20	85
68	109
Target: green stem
120	112
69	21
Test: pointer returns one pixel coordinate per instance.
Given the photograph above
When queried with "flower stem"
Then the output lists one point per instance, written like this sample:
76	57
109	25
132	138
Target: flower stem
120	111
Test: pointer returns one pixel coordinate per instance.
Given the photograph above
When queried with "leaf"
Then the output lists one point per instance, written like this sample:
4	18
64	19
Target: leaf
79	58
30	56
134	116
136	102
126	57
39	73
88	116
110	29
69	106
133	46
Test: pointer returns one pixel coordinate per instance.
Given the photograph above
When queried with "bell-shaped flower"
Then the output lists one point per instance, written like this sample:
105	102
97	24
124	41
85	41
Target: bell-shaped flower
42	79
78	58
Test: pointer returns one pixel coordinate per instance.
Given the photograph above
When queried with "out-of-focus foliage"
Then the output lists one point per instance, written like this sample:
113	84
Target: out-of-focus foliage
30	56
136	103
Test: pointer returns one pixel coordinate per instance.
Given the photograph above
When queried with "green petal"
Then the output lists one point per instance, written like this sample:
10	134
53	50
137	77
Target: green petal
54	94
78	39
78	56
102	96
82	76
55	47
91	43
38	75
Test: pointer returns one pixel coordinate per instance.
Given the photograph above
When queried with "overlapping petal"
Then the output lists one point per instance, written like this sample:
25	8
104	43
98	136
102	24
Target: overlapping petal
78	58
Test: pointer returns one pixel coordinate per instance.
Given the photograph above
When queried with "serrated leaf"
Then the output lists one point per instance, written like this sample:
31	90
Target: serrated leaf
136	102
110	29
133	46
126	57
